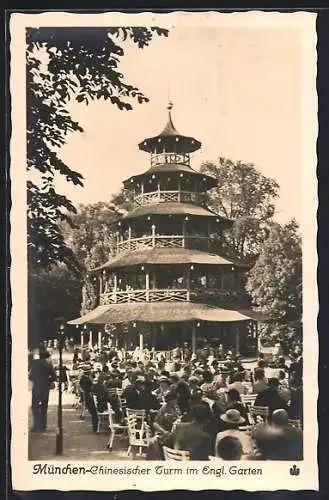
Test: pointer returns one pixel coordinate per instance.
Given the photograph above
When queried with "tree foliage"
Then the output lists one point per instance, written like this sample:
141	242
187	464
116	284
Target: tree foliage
245	196
52	294
93	241
64	64
275	282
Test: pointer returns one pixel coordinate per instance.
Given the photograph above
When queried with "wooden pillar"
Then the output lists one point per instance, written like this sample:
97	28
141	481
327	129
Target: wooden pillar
81	339
153	336
159	192
99	343
129	236
184	233
142	187
147	285
115	287
90	338
141	341
237	340
100	285
193	338
153	235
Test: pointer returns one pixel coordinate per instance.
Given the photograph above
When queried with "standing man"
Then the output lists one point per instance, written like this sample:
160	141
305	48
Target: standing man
43	376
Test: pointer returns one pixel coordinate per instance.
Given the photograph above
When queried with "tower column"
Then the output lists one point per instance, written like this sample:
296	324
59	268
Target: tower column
147	285
193	337
153	235
115	287
141	341
184	233
237	340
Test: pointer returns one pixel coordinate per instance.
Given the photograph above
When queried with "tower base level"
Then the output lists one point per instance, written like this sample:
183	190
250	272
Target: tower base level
240	338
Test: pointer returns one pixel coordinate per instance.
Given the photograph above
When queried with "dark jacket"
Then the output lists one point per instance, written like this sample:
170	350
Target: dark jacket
190	437
272	399
42	374
140	400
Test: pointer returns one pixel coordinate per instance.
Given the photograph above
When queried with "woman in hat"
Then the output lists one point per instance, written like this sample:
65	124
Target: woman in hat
232	420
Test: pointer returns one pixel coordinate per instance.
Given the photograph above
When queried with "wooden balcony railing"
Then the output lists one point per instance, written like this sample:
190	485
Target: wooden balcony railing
165	295
150	295
163	196
172	241
163	158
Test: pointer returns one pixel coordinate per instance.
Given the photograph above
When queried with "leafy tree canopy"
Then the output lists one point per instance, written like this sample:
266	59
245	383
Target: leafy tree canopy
52	293
64	64
275	282
245	196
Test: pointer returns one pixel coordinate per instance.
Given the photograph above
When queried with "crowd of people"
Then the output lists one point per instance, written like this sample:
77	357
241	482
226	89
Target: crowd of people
198	402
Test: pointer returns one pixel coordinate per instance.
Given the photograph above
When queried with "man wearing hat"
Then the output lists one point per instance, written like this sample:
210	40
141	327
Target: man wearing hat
164	384
232	420
86	385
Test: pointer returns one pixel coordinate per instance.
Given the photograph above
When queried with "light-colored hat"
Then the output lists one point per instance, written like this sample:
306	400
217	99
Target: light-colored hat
232	416
86	367
163	378
140	379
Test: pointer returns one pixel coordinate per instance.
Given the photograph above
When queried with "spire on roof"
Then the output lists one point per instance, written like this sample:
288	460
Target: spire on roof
170	127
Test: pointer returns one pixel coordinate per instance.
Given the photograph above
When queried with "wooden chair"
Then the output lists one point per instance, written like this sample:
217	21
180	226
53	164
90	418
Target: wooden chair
73	379
102	415
259	414
122	401
82	404
248	399
138	434
113	427
140	415
176	455
296	422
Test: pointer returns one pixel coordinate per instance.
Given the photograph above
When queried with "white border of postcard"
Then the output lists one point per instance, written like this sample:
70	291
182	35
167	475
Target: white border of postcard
274	475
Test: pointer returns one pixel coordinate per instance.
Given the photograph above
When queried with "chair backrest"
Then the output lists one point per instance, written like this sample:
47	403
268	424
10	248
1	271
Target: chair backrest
248	399
177	455
138	431
136	413
110	413
259	413
295	422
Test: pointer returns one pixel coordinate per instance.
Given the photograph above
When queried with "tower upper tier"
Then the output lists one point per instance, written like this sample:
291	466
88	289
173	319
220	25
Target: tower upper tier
170	163
169	140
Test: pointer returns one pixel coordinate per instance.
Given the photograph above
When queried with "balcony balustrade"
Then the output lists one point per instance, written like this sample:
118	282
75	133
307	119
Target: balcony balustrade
172	241
165	295
163	158
165	196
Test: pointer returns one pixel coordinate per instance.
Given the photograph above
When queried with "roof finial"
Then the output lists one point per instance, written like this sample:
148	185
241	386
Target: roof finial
170	104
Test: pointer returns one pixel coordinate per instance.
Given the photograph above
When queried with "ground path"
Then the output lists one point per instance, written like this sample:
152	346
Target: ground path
80	443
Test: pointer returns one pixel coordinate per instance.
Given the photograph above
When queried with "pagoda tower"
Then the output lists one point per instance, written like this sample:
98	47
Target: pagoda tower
168	283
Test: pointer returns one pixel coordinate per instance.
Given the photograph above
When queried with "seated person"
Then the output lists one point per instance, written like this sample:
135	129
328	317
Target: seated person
229	448
189	436
232	421
234	401
167	415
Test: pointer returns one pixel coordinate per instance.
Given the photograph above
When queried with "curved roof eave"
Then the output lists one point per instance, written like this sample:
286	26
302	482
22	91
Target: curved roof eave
168	256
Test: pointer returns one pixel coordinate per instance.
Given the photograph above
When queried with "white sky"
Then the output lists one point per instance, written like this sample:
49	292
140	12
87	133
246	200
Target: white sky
237	90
